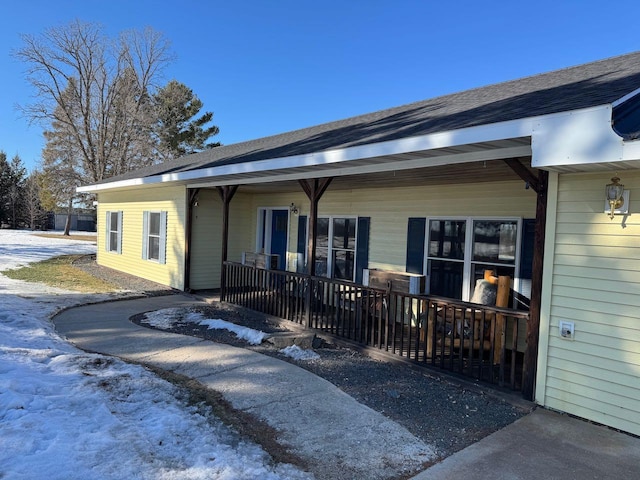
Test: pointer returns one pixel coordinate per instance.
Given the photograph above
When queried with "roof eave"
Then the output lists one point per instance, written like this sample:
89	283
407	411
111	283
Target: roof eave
478	134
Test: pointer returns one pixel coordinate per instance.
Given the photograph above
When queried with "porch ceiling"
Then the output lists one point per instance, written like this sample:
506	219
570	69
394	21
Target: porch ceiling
479	162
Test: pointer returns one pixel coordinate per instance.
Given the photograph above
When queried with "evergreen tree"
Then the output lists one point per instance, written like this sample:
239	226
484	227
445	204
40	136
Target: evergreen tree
179	129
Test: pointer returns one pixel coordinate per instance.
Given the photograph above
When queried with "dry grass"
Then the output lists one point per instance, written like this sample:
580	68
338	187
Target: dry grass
85	238
59	272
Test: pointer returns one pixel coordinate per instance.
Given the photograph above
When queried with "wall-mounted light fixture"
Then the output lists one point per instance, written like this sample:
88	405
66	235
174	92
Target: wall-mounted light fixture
616	197
293	209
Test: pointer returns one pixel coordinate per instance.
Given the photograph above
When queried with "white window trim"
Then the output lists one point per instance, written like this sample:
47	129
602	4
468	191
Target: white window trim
468	249
162	250
330	243
265	219
109	230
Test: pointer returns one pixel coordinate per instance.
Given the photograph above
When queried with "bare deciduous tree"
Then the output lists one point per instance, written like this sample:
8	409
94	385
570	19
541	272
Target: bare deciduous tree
97	91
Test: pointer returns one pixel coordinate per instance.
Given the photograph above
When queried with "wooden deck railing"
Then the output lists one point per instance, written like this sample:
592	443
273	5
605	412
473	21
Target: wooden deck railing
482	342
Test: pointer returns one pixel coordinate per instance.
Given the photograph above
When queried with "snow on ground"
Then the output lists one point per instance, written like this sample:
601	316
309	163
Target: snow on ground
297	353
167	317
66	414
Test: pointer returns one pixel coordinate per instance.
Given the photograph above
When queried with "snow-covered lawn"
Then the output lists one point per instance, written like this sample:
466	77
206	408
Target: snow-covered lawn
66	414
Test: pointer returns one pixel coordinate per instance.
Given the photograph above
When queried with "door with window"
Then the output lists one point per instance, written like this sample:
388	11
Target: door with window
273	232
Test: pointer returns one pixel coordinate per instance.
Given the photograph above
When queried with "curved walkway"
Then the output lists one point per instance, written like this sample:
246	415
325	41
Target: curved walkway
338	437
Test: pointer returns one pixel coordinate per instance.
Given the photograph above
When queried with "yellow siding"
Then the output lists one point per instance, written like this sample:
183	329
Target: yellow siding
595	283
133	204
391	208
206	236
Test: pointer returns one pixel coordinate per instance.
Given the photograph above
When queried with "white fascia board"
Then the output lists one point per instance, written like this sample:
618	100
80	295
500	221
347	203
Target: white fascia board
440	160
578	137
483	133
631	150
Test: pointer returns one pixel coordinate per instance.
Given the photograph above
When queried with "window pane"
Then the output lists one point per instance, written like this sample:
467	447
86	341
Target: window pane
494	241
344	233
343	263
113	241
114	221
446	238
154	223
445	278
154	248
322	247
477	273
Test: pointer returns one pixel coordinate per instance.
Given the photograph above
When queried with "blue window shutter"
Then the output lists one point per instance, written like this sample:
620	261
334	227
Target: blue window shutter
162	256
415	245
526	255
119	248
302	244
362	247
145	235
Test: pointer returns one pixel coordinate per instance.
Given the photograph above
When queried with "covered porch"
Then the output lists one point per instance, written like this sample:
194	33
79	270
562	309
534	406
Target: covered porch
375	218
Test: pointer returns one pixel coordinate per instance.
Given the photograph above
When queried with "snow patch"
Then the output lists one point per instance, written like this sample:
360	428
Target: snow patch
297	353
67	414
170	317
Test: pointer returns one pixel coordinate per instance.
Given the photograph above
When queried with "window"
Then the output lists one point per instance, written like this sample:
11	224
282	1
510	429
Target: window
446	257
336	258
494	248
154	236
460	250
113	236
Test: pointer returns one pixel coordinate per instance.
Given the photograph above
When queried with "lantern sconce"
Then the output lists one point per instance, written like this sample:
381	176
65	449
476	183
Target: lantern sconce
293	209
616	198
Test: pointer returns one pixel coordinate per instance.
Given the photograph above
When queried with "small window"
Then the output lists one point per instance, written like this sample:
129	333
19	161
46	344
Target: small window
113	234
155	232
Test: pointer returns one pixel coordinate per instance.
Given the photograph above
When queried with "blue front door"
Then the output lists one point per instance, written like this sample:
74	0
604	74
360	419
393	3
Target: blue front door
279	223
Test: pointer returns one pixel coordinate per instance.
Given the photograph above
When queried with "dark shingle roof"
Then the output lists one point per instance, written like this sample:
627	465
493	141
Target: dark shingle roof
597	83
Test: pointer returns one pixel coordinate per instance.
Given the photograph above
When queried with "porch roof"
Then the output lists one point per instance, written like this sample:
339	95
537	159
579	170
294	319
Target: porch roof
486	123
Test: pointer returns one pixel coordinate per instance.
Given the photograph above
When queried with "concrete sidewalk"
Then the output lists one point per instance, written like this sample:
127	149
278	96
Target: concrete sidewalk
340	438
545	445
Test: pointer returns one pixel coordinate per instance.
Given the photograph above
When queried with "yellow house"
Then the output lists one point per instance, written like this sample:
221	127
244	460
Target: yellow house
508	178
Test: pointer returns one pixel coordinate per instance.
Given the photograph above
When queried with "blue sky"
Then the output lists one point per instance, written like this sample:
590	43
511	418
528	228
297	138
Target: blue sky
266	67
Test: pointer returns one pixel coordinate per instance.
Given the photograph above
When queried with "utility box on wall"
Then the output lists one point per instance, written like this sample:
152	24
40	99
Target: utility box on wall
260	260
402	282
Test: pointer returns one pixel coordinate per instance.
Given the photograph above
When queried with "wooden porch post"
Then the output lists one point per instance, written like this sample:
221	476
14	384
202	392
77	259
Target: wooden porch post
314	190
191	197
226	194
533	325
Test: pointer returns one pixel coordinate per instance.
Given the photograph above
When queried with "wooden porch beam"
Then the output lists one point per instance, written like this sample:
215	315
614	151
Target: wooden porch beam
524	173
314	190
191	197
533	325
226	194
